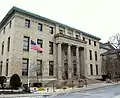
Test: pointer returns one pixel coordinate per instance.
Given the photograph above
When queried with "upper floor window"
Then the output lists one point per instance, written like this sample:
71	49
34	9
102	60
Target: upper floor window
10	23
7	62
83	38
2	51
96	55
51	30
8	46
91	69
51	68
40	27
25	64
61	31
77	36
94	43
27	23
50	47
90	52
39	67
26	43
89	42
4	30
40	42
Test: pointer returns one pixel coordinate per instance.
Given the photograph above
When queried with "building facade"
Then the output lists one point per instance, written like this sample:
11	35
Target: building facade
68	52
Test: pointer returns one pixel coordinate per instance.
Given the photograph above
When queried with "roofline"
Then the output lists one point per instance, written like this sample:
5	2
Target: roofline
14	9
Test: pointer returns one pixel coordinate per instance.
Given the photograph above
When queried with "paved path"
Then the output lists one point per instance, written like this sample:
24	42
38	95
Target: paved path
58	92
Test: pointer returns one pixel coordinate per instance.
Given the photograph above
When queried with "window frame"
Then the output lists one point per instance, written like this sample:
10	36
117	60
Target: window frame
97	70
91	69
90	54
40	43
50	47
51	30
40	27
25	69
27	23
51	71
40	73
8	44
96	58
26	43
7	64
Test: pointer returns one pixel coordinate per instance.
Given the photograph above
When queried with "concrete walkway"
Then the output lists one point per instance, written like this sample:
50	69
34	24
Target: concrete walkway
58	91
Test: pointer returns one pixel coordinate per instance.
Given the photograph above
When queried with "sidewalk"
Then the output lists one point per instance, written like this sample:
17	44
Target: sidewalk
60	91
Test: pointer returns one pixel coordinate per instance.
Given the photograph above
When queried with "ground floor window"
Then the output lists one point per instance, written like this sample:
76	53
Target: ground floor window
25	64
91	69
51	68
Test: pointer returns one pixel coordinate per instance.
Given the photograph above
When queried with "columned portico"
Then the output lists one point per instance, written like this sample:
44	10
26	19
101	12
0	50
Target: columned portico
69	58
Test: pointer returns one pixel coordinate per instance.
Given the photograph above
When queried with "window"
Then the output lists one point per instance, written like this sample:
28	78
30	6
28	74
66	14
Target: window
7	61
89	42
51	30
8	46
26	43
39	67
40	26
25	64
27	23
74	68
91	69
83	38
77	36
94	43
2	48
50	47
51	68
90	52
74	53
96	55
1	64
4	30
40	42
96	69
61	31
10	24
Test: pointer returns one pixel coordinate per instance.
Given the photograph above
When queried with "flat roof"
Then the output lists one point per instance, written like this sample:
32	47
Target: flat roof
14	10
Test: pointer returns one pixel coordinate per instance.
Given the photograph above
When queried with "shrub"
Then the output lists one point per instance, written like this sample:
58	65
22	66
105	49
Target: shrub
15	81
2	81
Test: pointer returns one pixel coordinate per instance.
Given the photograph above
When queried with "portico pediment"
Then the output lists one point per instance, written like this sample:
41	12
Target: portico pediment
68	39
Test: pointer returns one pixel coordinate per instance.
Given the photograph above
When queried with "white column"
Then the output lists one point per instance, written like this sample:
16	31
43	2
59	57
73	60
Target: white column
69	62
77	60
59	61
55	57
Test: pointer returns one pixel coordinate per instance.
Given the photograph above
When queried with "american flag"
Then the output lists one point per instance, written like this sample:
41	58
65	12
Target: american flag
35	46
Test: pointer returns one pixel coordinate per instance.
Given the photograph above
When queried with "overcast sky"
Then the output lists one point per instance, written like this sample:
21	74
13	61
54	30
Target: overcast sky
97	17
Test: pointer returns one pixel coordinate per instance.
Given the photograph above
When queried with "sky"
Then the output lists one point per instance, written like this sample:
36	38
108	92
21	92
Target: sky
100	18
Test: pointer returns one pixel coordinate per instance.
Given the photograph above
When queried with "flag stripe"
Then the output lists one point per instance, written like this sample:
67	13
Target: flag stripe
34	46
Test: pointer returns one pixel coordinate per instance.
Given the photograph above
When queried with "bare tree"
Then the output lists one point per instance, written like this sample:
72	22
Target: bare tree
115	41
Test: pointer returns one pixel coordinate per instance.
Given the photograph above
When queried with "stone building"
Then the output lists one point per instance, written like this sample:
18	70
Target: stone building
68	52
110	61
